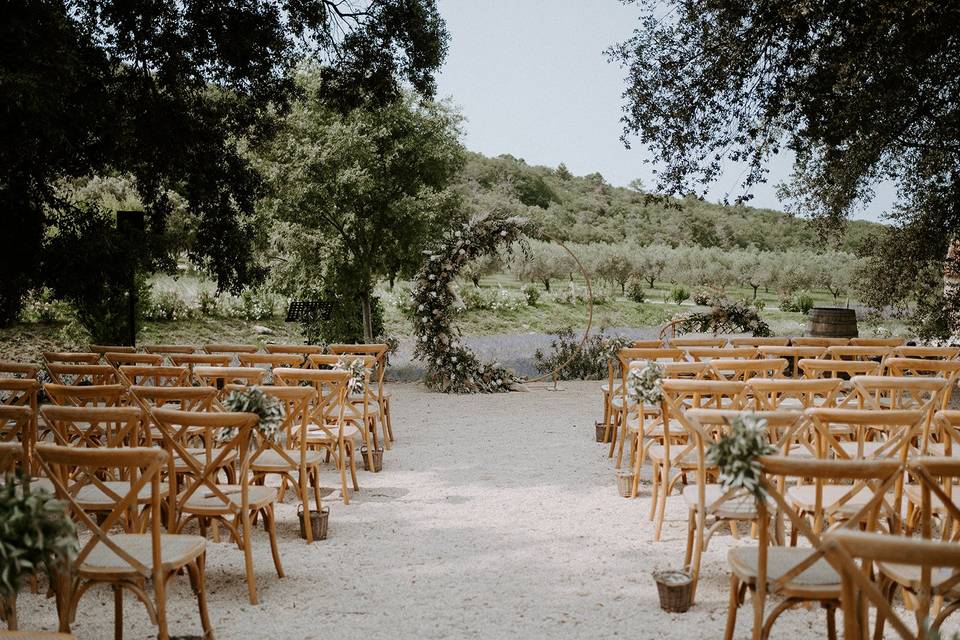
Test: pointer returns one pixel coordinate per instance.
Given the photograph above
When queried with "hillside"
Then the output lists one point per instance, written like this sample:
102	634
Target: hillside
587	209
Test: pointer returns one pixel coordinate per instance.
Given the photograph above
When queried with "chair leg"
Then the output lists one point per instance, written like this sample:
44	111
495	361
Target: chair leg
732	607
269	517
342	465
615	426
831	623
353	465
654	491
662	502
160	588
385	410
700	521
248	556
118	613
305	501
198	581
691	533
315	479
8	611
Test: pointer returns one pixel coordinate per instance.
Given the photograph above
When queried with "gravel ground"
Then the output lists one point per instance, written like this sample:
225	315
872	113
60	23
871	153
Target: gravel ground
495	516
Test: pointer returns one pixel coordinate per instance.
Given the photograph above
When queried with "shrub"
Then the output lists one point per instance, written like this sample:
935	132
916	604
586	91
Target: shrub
166	305
758	304
702	297
208	302
40	306
576	296
588	362
725	316
635	290
799	302
532	294
679	295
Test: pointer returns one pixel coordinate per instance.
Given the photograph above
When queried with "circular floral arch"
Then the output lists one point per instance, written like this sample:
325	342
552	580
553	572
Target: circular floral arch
451	366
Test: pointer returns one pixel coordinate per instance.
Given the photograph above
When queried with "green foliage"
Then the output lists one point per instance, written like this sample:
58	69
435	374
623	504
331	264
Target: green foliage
254	400
725	316
532	293
165	91
679	295
644	384
800	302
35	533
635	290
40	305
165	306
736	454
343	323
575	362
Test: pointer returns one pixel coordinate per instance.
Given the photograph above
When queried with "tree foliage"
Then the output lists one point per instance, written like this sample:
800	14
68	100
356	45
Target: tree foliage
166	91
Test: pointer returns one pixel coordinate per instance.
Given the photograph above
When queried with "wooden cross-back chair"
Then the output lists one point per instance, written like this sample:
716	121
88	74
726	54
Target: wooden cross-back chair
77	374
744	370
220	377
18	427
927	353
793	354
617	400
861	353
843	369
329	427
877	342
683	343
231	350
103	349
705	354
20	370
364	397
134	359
293	461
708	501
946	369
654	431
665	457
90	395
70	357
771	394
944	441
380	352
770	341
184	398
801	575
167	349
898	429
295	349
162	376
898	392
22	393
127	560
646	344
192	360
805	341
199	496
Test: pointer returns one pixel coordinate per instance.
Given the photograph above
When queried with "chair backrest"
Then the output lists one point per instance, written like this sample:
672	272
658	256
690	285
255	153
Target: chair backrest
646	344
111	348
70	357
328	361
897	392
270	361
221	376
12	456
71	470
169	348
136	359
93	426
771	341
704	354
877	342
695	370
232	350
680	343
224	435
377	350
770	394
9	369
933	353
329	404
295	404
803	341
947	425
200	359
163	376
92	395
183	398
900	426
744	370
827	368
946	369
18	427
857	353
297	349
74	374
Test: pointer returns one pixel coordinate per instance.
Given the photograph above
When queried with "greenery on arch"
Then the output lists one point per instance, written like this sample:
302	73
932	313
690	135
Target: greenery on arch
451	366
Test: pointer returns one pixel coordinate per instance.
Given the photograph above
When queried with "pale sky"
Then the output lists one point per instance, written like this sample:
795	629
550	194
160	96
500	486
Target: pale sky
531	78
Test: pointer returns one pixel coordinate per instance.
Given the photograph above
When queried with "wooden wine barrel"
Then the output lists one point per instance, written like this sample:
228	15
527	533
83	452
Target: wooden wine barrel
831	322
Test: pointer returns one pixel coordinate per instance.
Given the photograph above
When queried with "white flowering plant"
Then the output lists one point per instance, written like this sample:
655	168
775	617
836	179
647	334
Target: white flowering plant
254	400
737	454
644	384
358	373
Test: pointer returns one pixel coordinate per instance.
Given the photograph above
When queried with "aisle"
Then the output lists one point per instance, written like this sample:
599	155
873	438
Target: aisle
495	517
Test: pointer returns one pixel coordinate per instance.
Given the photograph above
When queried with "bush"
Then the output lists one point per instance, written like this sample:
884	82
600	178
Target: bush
532	293
166	305
579	363
702	297
799	302
679	295
208	302
635	290
39	305
342	319
759	304
498	299
577	296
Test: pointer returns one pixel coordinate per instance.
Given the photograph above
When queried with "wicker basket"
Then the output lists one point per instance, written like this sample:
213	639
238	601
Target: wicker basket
377	459
675	589
625	482
318	521
601	431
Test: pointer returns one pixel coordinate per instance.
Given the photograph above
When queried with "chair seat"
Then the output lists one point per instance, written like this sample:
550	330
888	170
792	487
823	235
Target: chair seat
91	497
678	455
914	495
804	497
176	550
938	449
737	507
819	579
674	428
617	402
870	449
272	461
791	404
200	454
204	501
909	576
316	435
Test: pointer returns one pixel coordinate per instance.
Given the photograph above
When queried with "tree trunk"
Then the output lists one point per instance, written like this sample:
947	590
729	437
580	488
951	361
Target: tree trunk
623	288
755	287
546	285
367	317
650	280
476	281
